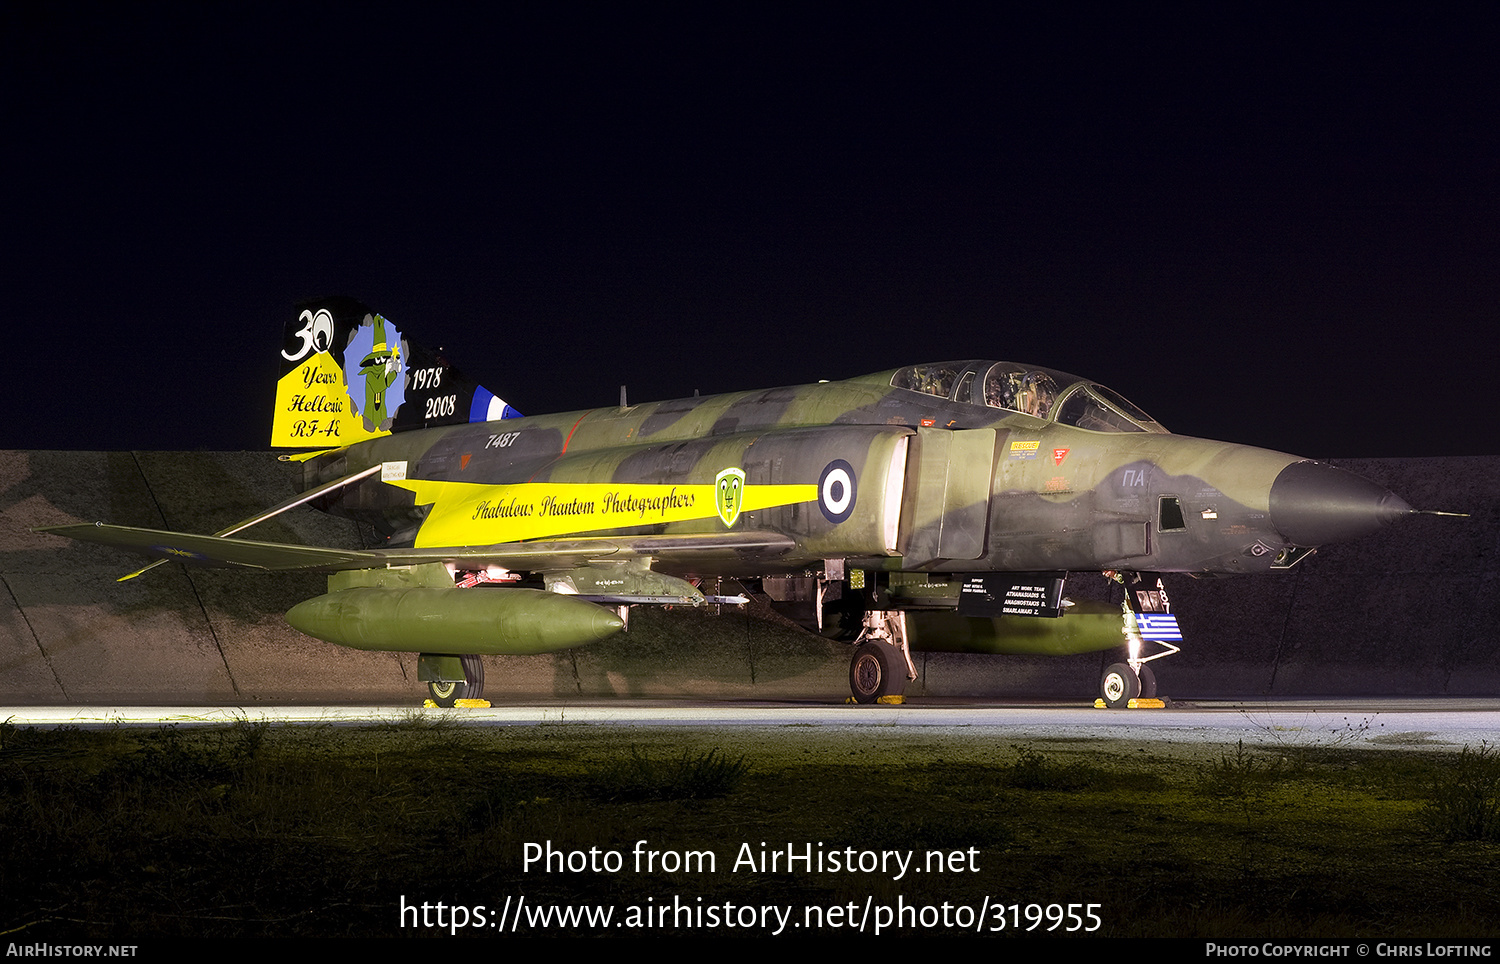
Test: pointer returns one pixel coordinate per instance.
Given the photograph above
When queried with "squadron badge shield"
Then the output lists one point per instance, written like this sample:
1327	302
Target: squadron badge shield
729	492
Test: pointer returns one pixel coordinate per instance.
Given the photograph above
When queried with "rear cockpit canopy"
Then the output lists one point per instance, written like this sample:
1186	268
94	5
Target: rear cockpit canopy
1042	393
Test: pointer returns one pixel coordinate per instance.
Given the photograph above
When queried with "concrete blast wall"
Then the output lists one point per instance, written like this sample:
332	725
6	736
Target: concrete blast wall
1411	611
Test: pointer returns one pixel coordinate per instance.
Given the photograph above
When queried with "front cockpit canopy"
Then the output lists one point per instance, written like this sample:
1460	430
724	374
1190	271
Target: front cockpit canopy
1042	393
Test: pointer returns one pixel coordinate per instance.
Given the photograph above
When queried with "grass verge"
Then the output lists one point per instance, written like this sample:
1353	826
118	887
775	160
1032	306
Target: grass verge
251	830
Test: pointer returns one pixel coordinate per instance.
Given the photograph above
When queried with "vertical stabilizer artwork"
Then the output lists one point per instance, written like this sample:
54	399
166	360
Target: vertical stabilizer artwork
348	374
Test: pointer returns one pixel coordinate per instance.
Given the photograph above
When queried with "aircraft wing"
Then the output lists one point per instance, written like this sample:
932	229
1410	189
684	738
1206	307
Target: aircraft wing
222	552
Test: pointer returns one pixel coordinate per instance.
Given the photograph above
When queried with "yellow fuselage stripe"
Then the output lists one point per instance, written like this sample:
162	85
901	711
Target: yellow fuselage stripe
473	514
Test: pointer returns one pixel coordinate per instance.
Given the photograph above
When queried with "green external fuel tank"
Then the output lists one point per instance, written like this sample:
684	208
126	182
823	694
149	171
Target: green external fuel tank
476	621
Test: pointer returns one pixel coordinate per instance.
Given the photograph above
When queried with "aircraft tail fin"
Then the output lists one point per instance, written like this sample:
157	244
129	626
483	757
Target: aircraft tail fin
349	374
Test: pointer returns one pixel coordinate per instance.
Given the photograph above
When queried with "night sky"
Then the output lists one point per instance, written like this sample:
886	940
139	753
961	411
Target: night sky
1279	228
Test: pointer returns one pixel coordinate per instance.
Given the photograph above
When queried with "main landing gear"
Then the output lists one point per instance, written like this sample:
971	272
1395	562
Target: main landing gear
882	662
446	692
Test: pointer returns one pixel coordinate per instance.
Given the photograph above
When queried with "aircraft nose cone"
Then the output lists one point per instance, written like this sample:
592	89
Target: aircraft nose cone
1313	504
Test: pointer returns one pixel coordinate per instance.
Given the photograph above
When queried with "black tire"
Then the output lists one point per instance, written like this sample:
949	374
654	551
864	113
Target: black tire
875	671
1119	686
1148	682
473	677
446	694
472	687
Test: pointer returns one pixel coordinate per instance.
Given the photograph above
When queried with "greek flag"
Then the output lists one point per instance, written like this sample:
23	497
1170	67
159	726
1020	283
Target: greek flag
1159	626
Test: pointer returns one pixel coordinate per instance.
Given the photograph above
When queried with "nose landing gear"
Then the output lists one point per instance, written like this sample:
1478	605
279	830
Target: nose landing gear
1147	615
1123	684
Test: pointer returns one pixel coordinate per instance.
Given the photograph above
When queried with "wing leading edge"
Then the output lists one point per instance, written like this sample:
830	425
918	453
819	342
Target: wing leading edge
222	552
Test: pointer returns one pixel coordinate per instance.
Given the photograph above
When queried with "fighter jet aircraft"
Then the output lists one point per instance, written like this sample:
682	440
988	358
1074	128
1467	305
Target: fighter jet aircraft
942	505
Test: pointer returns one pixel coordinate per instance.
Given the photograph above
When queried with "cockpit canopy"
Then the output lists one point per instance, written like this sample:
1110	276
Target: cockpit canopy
1042	393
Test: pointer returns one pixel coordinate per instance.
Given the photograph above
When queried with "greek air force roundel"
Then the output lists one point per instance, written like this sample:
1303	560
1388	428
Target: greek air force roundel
836	491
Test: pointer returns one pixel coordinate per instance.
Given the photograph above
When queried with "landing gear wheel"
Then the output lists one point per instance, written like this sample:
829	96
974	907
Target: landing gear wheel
876	670
1119	686
445	694
1148	683
474	675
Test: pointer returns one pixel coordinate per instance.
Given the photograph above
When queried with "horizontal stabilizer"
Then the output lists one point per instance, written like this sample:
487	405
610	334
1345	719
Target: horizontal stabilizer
216	551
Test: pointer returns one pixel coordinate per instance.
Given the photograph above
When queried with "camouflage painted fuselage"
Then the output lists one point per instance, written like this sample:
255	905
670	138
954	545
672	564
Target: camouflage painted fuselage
879	477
